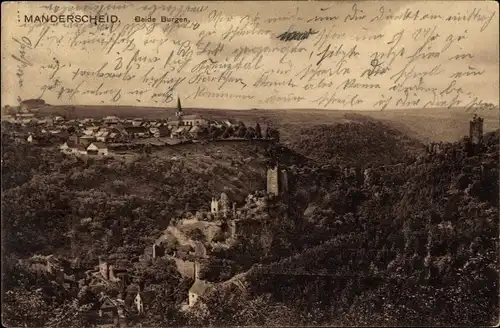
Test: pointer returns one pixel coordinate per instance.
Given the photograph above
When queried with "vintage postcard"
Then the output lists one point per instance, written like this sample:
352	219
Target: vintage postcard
250	163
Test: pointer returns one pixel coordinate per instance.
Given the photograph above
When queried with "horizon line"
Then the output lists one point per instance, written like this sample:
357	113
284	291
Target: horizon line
261	109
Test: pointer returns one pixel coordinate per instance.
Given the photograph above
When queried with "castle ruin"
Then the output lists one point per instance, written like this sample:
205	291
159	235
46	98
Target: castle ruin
476	129
277	181
222	205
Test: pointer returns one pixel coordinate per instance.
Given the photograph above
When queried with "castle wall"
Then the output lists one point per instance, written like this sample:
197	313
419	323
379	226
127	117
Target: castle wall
476	129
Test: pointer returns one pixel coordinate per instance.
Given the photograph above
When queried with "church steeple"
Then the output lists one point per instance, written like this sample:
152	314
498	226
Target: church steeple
179	107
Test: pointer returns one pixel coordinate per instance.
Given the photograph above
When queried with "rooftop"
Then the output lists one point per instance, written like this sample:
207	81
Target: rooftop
99	145
200	287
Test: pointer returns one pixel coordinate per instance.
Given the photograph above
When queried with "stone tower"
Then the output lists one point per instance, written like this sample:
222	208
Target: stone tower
476	129
214	205
224	203
277	181
272	181
103	268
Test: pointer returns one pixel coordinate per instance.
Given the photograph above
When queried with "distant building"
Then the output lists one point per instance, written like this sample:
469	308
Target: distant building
102	135
111	120
230	122
196	131
277	181
79	149
137	121
86	140
137	131
25	115
97	148
180	131
476	129
178	113
160	131
90	130
194	120
111	312
113	273
30	104
186	120
8	118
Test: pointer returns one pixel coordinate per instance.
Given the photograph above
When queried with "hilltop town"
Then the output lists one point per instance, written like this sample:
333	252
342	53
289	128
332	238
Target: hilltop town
114	135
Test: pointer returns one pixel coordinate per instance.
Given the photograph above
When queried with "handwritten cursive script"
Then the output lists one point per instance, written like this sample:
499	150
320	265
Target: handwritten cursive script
361	55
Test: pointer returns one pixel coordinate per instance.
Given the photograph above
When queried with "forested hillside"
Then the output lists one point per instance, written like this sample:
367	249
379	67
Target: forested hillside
413	241
419	244
362	140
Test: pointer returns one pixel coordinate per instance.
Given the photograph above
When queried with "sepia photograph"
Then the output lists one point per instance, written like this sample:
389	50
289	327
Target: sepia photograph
250	163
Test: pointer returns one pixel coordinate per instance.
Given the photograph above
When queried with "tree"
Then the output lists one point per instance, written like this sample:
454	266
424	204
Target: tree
216	132
250	133
228	132
273	134
242	130
258	131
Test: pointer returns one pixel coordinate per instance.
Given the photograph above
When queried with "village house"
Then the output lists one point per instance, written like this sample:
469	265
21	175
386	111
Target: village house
230	122
55	131
194	120
90	130
23	116
217	123
8	118
180	131
115	273
137	121
74	138
111	311
97	148
87	120
137	132
67	146
45	121
102	135
196	131
71	147
59	119
142	299
199	287
79	150
111	120
186	120
86	140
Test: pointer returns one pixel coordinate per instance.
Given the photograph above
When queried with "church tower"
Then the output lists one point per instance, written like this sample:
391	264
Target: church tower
178	113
